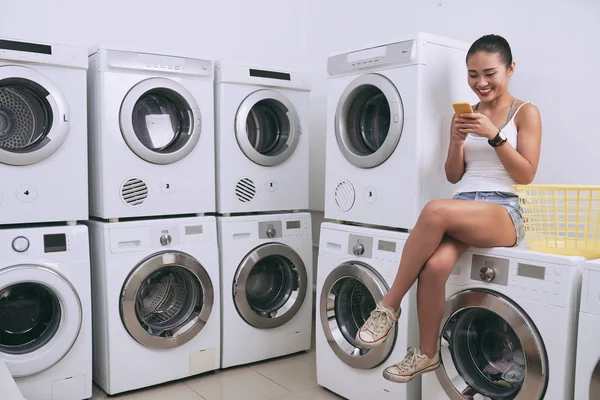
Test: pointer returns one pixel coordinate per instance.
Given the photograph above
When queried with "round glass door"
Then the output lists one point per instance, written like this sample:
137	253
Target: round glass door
167	300
490	349
270	286
160	121
267	128
33	116
349	294
40	318
369	120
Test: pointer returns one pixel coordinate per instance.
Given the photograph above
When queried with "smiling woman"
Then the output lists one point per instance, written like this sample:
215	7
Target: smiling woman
490	150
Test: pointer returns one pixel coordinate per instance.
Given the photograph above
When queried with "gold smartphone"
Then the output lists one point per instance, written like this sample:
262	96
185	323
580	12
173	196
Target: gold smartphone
462	108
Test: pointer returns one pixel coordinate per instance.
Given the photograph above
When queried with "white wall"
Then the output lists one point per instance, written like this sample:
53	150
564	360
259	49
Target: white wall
267	33
555	46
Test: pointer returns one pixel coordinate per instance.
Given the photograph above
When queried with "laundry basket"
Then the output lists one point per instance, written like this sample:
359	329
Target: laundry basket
561	219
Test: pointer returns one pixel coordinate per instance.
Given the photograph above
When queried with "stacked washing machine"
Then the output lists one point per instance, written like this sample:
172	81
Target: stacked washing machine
389	109
45	295
262	142
155	267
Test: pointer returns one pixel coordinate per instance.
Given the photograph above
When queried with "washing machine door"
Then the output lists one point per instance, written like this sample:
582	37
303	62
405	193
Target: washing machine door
166	300
267	127
369	120
490	349
34	116
40	318
160	121
270	285
350	292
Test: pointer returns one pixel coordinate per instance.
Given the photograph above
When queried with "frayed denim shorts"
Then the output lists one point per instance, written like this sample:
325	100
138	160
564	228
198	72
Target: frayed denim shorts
510	201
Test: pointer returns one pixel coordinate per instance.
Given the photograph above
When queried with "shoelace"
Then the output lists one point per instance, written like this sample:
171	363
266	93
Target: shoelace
410	360
380	319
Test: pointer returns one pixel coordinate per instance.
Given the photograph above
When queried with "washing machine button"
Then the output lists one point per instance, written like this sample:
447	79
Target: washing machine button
20	244
26	193
167	186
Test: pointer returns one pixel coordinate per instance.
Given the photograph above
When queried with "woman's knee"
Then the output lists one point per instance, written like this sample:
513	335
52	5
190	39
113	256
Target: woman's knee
435	212
437	269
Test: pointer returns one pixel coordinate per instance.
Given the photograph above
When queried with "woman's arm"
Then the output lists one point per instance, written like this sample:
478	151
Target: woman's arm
455	162
522	164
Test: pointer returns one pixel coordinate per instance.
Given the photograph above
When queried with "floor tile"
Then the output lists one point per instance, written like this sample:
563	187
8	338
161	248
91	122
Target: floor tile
296	373
319	393
242	383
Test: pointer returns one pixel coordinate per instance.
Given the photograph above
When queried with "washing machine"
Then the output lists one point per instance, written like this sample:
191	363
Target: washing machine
587	370
151	124
510	327
262	119
156	301
46	311
389	112
356	268
43	133
266	275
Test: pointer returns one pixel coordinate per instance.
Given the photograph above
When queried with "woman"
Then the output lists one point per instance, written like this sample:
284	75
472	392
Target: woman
490	150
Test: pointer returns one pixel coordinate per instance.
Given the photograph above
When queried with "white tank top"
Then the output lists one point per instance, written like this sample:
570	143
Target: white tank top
484	171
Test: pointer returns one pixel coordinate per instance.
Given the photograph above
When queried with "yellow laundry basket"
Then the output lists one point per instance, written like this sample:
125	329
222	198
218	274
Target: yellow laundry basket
561	219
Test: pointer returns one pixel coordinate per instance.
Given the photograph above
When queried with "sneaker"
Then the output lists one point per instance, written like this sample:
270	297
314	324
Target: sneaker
377	328
413	364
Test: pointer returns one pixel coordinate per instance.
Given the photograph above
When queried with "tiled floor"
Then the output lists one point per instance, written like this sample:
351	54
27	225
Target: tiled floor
286	378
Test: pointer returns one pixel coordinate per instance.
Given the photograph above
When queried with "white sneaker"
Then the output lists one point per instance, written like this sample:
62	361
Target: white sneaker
413	364
377	328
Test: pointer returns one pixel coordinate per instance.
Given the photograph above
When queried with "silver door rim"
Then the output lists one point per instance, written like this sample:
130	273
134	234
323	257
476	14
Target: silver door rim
536	375
131	138
395	130
595	383
60	117
242	136
344	350
62	349
293	304
195	322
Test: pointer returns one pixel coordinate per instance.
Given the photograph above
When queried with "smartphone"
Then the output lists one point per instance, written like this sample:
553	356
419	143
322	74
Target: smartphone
462	108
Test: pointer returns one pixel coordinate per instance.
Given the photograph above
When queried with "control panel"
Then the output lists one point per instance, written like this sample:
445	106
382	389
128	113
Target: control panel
390	54
43	242
525	279
283	228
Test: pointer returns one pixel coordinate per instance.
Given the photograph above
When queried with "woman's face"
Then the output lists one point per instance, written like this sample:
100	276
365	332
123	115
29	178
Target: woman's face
488	75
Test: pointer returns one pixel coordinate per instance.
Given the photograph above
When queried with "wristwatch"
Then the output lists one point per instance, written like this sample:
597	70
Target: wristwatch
498	140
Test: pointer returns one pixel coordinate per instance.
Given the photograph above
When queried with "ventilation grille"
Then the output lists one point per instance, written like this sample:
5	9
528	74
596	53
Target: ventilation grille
134	191
344	195
245	190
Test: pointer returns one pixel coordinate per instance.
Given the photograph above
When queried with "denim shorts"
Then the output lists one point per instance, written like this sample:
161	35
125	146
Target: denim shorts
510	201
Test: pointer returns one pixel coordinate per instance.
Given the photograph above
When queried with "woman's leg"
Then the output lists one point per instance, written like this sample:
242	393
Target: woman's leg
475	223
431	292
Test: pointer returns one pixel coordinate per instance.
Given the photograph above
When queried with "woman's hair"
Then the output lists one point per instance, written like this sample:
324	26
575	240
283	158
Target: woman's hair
492	44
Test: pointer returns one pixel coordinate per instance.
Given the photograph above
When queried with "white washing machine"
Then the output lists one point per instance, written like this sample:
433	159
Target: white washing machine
587	370
262	119
266	275
156	301
388	128
46	311
151	124
356	268
510	327
43	133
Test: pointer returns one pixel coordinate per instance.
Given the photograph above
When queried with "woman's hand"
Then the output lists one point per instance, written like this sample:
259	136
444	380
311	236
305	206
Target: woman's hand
478	124
456	136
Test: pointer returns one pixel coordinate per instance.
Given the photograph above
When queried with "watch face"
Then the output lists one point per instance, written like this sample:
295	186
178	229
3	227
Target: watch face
502	135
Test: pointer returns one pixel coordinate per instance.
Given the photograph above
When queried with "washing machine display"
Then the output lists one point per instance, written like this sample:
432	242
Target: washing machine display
160	120
40	318
369	120
34	116
490	348
267	127
270	286
166	300
350	292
